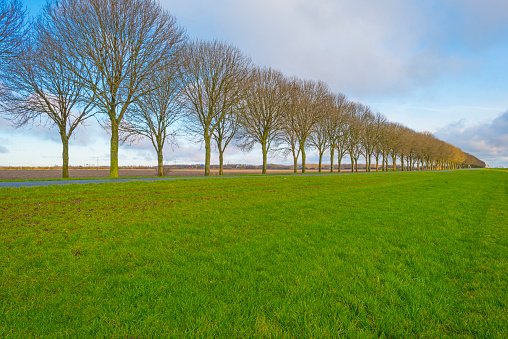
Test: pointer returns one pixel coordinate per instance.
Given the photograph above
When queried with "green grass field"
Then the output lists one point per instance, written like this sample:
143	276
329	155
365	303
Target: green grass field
358	256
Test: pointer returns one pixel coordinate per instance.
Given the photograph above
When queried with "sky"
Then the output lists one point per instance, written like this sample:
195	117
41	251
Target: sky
433	65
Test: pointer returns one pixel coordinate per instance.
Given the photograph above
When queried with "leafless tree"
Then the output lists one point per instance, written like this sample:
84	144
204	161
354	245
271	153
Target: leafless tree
393	141
319	134
382	148
353	134
336	126
13	28
377	130
262	120
307	99
216	76
226	128
122	43
292	147
40	89
368	135
155	114
289	132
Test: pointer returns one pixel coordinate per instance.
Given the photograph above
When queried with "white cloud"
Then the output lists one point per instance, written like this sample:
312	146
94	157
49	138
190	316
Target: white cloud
487	141
358	47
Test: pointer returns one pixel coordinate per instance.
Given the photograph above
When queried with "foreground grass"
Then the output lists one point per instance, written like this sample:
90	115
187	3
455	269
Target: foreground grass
393	254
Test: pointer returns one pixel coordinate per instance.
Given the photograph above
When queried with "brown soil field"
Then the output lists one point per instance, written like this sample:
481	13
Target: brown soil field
23	174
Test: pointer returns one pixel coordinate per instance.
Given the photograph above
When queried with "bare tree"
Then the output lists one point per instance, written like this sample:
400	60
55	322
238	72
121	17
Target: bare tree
306	107
353	135
292	146
156	112
395	142
368	135
226	128
335	126
216	75
289	132
13	28
321	131
41	89
119	42
381	149
262	120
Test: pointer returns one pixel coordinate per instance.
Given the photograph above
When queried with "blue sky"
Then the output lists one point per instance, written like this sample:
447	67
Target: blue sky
438	66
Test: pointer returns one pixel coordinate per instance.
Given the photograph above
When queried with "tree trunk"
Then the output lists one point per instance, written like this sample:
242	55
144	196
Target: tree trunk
356	165
221	162
303	159
295	159
377	163
339	160
207	156
332	153
113	169
160	166
265	151
320	160
394	159
65	155
352	164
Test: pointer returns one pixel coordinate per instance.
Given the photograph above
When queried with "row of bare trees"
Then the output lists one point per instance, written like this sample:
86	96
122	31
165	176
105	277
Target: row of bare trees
131	66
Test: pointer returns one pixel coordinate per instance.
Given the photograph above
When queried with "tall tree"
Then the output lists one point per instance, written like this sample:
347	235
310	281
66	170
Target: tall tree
320	134
226	128
395	142
335	126
41	89
154	115
353	135
306	107
216	76
368	135
262	120
292	146
119	42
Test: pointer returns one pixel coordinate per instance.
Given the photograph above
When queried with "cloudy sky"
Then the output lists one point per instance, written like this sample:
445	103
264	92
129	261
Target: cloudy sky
434	65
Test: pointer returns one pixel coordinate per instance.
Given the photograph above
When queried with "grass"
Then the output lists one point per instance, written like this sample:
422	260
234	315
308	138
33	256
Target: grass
379	255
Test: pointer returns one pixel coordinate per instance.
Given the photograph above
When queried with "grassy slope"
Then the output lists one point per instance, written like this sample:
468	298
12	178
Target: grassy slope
393	254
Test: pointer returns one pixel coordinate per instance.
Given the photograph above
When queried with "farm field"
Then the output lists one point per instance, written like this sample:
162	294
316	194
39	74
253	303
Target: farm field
35	174
405	254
